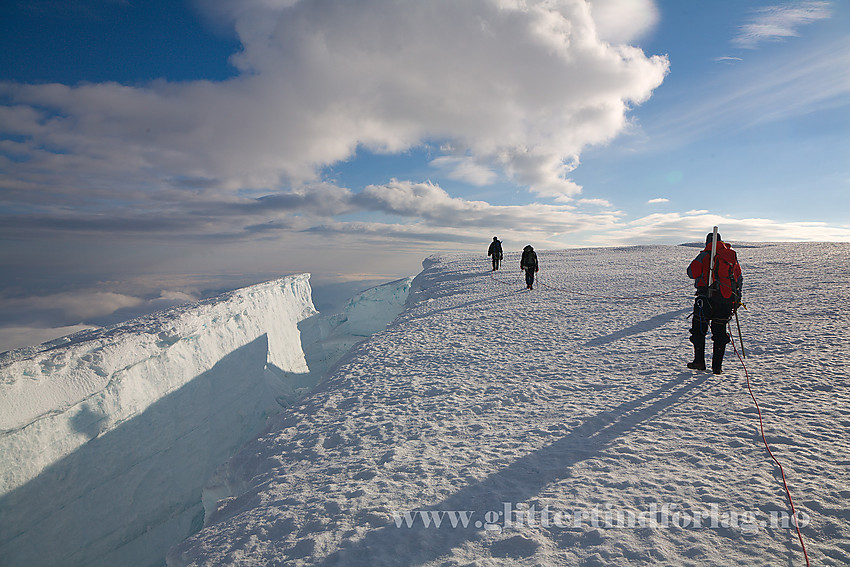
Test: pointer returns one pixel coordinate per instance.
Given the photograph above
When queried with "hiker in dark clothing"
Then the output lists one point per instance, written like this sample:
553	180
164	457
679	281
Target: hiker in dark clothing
716	302
529	264
495	251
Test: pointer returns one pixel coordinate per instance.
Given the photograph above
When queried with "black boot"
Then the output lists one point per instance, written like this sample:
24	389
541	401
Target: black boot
717	358
699	357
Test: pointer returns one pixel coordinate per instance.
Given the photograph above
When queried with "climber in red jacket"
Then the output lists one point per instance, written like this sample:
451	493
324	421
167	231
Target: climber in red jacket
715	303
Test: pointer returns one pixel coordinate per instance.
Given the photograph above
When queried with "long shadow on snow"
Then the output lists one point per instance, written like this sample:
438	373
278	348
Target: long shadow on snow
488	299
638	328
518	482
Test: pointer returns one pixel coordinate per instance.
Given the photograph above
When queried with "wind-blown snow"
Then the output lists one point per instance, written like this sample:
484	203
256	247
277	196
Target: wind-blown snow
483	398
107	436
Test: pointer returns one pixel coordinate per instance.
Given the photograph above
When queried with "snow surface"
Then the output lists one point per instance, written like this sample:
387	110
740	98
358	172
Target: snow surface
107	437
483	398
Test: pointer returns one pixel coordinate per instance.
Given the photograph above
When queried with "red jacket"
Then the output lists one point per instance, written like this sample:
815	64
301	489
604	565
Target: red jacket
728	277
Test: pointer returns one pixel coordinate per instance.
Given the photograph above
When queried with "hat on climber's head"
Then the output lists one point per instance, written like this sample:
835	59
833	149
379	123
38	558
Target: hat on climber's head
709	238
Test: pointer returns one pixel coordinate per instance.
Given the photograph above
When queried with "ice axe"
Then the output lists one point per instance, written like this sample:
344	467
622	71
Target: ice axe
713	254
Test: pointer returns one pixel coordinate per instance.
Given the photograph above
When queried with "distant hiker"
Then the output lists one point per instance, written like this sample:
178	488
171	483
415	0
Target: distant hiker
529	264
714	303
495	251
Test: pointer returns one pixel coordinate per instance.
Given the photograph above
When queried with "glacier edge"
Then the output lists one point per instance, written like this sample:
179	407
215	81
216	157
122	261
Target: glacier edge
108	436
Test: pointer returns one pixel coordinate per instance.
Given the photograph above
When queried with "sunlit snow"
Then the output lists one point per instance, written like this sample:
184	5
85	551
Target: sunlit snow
485	425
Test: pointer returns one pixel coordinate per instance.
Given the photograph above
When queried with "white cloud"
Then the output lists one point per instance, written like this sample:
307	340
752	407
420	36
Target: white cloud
675	228
622	21
776	23
594	202
83	306
76	306
437	208
657	200
727	59
519	86
16	337
174	296
465	169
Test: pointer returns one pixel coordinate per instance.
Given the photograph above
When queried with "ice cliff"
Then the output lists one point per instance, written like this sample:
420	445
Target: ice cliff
107	437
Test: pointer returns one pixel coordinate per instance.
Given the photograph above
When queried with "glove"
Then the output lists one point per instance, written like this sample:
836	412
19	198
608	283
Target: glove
738	302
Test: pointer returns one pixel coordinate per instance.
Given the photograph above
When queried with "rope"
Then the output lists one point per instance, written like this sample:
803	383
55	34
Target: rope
772	456
746	373
495	279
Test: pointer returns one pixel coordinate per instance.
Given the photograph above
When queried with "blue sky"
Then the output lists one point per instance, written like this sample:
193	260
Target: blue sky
156	151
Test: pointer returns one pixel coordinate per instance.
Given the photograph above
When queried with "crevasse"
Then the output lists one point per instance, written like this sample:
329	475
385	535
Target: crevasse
107	437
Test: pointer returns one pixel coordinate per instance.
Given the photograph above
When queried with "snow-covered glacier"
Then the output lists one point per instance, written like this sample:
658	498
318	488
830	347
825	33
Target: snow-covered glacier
108	436
494	425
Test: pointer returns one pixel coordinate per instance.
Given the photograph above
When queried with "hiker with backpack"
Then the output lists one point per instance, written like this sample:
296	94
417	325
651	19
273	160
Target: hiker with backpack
718	295
495	251
528	262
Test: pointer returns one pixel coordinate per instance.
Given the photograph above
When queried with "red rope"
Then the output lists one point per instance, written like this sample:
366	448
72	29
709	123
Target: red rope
778	464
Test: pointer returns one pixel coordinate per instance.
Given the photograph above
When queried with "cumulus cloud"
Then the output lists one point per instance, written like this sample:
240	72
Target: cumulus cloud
776	23
622	21
657	200
465	169
379	232
436	208
422	203
111	181
520	86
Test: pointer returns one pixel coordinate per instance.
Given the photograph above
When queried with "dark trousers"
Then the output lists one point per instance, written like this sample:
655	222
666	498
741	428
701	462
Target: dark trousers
496	261
529	276
714	312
